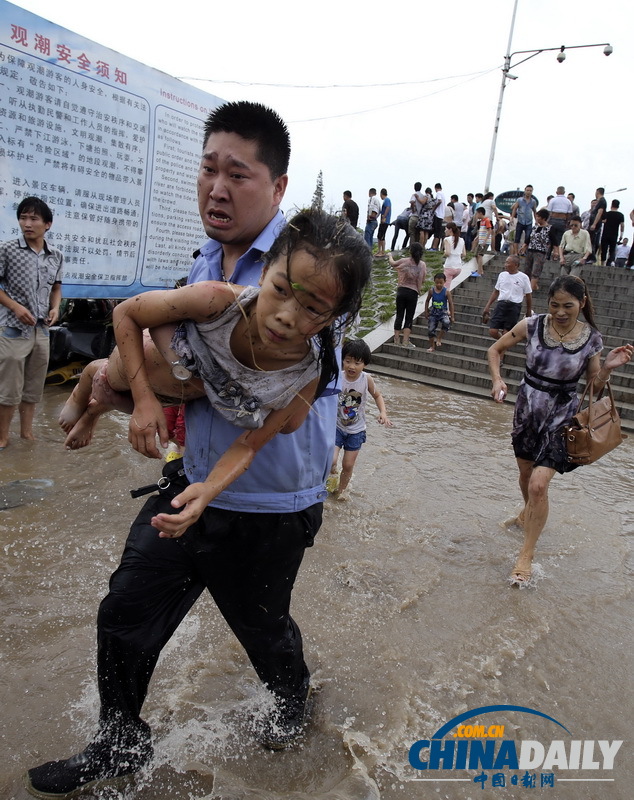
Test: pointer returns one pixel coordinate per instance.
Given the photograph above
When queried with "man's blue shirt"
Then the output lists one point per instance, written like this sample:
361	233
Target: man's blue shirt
525	210
289	472
386	210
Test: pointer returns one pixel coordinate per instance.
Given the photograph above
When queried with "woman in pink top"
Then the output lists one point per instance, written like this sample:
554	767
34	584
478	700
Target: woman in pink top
411	274
454	250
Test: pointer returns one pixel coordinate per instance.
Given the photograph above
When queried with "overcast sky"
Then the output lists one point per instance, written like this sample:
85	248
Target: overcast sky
568	123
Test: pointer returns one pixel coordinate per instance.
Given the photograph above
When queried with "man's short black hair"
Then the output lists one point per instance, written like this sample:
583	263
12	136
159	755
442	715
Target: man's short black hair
33	205
418	186
357	349
438	186
347	194
575	218
255	123
543	213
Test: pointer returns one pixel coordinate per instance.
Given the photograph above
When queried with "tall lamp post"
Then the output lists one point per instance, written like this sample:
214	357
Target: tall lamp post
506	77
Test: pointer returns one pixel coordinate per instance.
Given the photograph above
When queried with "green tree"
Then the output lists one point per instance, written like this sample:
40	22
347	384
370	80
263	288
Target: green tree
318	195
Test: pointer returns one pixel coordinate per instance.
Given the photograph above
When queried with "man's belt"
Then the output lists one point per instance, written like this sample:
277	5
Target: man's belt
558	215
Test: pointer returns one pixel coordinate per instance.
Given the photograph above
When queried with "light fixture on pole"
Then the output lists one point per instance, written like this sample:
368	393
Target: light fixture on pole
506	76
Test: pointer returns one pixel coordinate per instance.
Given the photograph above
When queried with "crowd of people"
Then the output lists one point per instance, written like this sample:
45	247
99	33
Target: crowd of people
561	347
594	236
249	347
530	234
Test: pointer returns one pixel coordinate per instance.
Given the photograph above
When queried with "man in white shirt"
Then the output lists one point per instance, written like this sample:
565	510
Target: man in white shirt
560	210
374	210
510	290
458	210
491	211
622	252
439	215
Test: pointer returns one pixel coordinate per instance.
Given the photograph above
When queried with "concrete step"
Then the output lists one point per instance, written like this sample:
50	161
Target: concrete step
604	283
461	363
472	361
466	305
471	323
469	342
620	314
443	377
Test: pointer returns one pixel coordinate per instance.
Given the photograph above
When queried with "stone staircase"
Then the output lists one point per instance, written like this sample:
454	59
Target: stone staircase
461	365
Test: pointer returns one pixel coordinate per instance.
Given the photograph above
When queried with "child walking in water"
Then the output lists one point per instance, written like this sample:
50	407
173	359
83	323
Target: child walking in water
441	314
260	354
351	424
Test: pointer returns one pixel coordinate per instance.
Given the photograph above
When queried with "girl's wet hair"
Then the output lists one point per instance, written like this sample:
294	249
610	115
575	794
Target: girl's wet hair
575	286
335	245
416	252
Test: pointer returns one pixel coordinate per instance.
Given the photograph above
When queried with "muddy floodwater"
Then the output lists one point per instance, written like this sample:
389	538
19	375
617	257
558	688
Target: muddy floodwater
407	617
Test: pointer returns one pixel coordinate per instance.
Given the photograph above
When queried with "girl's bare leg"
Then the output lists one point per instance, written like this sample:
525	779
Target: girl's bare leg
110	389
78	401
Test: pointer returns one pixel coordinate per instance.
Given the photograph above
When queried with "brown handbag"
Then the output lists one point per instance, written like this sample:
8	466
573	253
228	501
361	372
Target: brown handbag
595	430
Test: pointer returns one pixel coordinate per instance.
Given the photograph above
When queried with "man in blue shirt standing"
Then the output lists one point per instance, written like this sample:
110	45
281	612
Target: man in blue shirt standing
524	209
247	547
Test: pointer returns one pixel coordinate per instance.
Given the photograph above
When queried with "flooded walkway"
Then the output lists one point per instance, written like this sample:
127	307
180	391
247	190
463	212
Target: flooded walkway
407	618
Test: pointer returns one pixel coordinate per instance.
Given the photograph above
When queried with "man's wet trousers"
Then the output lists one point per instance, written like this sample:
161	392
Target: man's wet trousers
247	561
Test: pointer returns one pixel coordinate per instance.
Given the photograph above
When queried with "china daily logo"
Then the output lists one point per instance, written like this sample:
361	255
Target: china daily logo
467	743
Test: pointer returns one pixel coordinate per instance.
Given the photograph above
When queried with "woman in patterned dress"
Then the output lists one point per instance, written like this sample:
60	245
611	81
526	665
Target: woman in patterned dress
426	218
560	349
